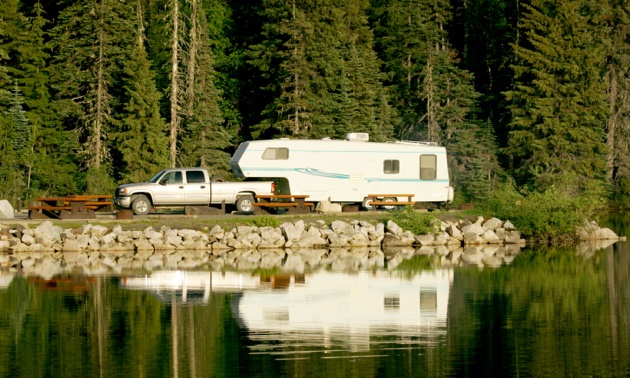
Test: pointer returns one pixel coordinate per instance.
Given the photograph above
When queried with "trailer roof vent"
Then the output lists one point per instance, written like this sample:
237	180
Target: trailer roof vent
358	137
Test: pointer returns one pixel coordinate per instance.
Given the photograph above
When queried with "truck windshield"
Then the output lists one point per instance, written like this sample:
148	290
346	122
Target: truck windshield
155	178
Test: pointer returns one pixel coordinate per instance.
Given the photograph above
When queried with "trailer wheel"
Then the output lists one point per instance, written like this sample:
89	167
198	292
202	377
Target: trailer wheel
366	204
141	205
244	204
389	207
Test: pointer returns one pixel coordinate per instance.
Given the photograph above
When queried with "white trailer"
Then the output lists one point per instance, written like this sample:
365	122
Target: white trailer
348	171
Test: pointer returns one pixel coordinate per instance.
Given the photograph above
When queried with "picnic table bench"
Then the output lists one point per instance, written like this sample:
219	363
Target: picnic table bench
71	207
294	203
375	200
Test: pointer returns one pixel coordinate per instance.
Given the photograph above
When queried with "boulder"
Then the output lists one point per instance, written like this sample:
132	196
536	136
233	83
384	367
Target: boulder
6	210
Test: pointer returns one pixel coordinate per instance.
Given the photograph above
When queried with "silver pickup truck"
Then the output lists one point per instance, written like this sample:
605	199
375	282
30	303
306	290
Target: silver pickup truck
188	187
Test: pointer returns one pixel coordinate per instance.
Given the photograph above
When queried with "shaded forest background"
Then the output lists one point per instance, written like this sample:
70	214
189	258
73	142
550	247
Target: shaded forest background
531	95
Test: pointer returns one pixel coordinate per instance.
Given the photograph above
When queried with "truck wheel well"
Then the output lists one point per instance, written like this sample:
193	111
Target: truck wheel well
135	195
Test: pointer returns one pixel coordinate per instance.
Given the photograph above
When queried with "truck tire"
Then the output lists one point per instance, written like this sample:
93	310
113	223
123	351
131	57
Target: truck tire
244	204
389	207
141	205
366	204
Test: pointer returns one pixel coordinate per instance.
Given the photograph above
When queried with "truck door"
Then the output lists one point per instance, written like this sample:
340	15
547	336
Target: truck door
172	190
197	188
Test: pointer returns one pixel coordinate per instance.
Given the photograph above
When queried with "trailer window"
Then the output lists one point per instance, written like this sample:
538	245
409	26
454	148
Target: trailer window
391	166
195	176
276	154
428	167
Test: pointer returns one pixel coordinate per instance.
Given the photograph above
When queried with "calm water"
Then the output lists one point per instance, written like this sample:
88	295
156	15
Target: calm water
551	312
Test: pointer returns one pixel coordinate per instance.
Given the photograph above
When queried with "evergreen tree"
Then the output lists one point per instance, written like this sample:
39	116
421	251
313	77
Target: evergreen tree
10	183
559	101
322	71
91	41
432	94
142	140
205	139
617	20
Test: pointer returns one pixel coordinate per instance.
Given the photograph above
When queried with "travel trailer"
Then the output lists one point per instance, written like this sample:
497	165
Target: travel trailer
348	171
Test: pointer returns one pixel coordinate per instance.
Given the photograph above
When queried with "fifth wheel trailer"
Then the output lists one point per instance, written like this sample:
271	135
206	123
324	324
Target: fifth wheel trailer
347	171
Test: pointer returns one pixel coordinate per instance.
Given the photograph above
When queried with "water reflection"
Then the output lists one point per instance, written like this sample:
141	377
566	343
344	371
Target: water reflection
408	312
328	311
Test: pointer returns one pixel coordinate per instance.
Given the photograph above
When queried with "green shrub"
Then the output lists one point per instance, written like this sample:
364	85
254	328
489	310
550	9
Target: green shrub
418	223
552	215
266	221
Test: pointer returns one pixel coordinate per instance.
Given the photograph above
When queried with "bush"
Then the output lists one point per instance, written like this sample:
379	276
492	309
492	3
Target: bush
552	215
266	221
418	223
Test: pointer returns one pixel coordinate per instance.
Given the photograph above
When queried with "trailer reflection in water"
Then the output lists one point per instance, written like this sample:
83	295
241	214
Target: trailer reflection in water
329	311
321	311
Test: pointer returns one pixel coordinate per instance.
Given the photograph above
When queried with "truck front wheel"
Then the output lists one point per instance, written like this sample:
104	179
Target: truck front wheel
141	205
244	204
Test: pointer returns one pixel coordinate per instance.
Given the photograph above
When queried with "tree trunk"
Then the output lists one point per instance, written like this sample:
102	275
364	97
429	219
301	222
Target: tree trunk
174	125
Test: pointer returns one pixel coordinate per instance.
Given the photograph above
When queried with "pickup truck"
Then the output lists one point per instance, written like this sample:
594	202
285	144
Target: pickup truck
188	187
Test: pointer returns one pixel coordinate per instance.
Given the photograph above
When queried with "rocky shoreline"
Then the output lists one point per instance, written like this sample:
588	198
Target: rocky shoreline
293	246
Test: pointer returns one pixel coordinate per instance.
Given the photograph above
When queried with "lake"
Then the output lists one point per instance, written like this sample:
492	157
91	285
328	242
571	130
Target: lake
550	312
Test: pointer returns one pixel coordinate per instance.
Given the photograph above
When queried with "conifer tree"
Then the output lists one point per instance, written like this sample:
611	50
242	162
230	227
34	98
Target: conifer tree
21	140
205	139
558	104
10	183
142	140
617	20
319	53
91	41
176	94
433	95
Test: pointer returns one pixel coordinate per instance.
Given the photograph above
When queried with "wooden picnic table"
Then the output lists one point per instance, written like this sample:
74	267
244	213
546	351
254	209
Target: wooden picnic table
294	203
70	207
386	200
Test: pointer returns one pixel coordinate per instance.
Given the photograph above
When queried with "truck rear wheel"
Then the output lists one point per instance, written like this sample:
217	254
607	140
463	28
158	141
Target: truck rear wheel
244	204
141	205
389	207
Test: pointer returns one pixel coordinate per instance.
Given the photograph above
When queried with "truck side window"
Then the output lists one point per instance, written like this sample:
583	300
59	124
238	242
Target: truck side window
172	178
195	177
391	166
428	167
279	153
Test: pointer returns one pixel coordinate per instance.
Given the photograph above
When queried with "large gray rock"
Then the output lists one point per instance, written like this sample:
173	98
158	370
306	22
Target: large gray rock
47	233
6	210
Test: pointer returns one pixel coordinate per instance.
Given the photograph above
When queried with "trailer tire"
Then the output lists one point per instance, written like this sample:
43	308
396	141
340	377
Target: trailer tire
141	205
389	207
366	204
244	204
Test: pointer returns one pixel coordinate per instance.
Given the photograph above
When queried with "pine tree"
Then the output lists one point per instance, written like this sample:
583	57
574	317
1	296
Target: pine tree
321	58
559	102
176	88
142	140
91	41
433	95
21	140
205	139
617	20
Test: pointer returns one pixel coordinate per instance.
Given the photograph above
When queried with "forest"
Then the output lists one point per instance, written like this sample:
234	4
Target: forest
528	96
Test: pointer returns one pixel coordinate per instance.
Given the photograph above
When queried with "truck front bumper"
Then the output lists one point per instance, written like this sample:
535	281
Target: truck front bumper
124	202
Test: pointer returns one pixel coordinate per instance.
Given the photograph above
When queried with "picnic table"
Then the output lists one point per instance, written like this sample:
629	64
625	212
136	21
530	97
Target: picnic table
83	206
294	203
375	200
